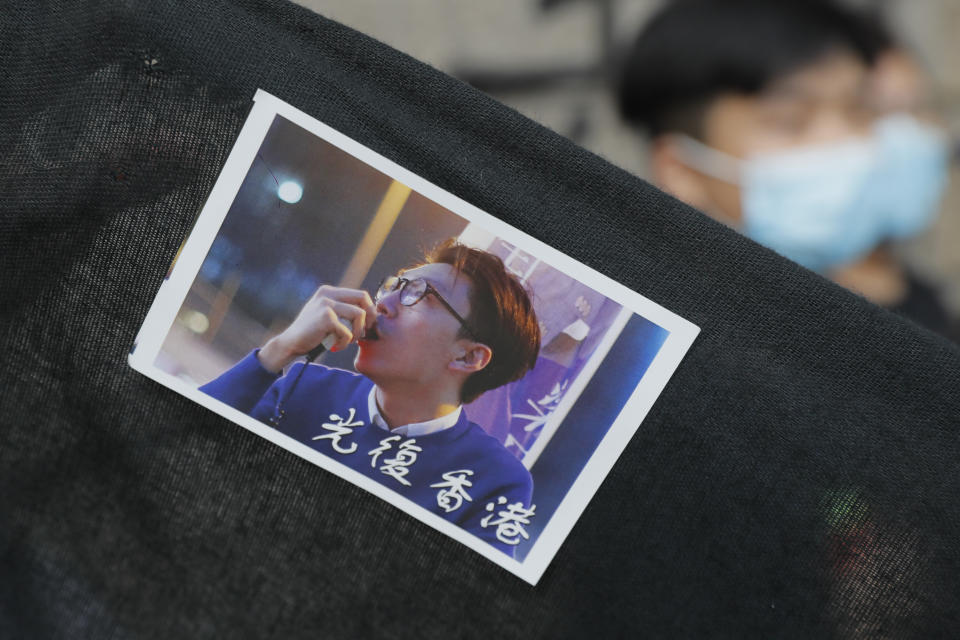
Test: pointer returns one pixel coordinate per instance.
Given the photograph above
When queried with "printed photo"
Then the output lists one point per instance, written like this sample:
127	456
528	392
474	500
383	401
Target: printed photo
366	320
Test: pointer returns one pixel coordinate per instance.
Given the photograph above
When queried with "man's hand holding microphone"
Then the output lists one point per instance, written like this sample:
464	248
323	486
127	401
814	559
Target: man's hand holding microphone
331	319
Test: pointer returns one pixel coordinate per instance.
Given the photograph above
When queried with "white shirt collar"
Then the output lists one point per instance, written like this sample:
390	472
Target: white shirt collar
413	429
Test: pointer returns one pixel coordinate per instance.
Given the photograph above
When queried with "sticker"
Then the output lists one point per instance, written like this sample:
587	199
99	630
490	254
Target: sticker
368	321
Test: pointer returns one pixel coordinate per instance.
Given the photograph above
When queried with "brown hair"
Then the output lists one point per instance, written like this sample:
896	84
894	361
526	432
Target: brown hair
501	317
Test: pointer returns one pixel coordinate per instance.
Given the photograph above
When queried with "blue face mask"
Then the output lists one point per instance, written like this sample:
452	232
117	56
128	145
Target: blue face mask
807	204
913	173
828	205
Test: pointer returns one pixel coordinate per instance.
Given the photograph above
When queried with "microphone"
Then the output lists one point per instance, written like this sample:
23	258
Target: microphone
327	343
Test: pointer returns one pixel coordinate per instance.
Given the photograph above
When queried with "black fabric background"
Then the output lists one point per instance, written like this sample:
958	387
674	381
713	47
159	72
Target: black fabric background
798	478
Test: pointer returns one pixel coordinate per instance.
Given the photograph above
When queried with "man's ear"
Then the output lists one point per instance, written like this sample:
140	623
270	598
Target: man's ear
672	175
472	357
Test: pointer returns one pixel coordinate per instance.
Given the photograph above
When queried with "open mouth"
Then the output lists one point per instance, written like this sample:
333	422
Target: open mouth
370	334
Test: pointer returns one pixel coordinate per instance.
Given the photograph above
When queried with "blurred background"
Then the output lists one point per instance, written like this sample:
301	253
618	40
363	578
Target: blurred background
555	62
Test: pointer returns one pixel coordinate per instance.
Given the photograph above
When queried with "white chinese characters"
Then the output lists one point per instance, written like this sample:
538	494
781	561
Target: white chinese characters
453	490
510	521
398	466
340	427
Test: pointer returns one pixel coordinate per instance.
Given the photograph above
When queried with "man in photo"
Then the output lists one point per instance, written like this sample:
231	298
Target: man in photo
436	337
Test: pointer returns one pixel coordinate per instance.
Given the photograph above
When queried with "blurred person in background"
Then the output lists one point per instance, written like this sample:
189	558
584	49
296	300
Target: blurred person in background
792	122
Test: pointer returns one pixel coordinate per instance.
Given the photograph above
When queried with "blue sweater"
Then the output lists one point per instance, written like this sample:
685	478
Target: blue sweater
329	412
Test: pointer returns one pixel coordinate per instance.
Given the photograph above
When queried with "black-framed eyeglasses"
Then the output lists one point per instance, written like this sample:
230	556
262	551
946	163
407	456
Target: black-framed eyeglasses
413	290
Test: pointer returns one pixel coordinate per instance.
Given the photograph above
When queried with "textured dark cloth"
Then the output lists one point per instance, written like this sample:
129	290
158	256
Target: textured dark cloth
922	304
798	477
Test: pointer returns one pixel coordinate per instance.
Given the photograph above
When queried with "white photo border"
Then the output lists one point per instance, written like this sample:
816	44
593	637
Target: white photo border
174	289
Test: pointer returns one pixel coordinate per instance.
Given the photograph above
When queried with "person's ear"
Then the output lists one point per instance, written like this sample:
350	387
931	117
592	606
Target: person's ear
672	175
471	357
